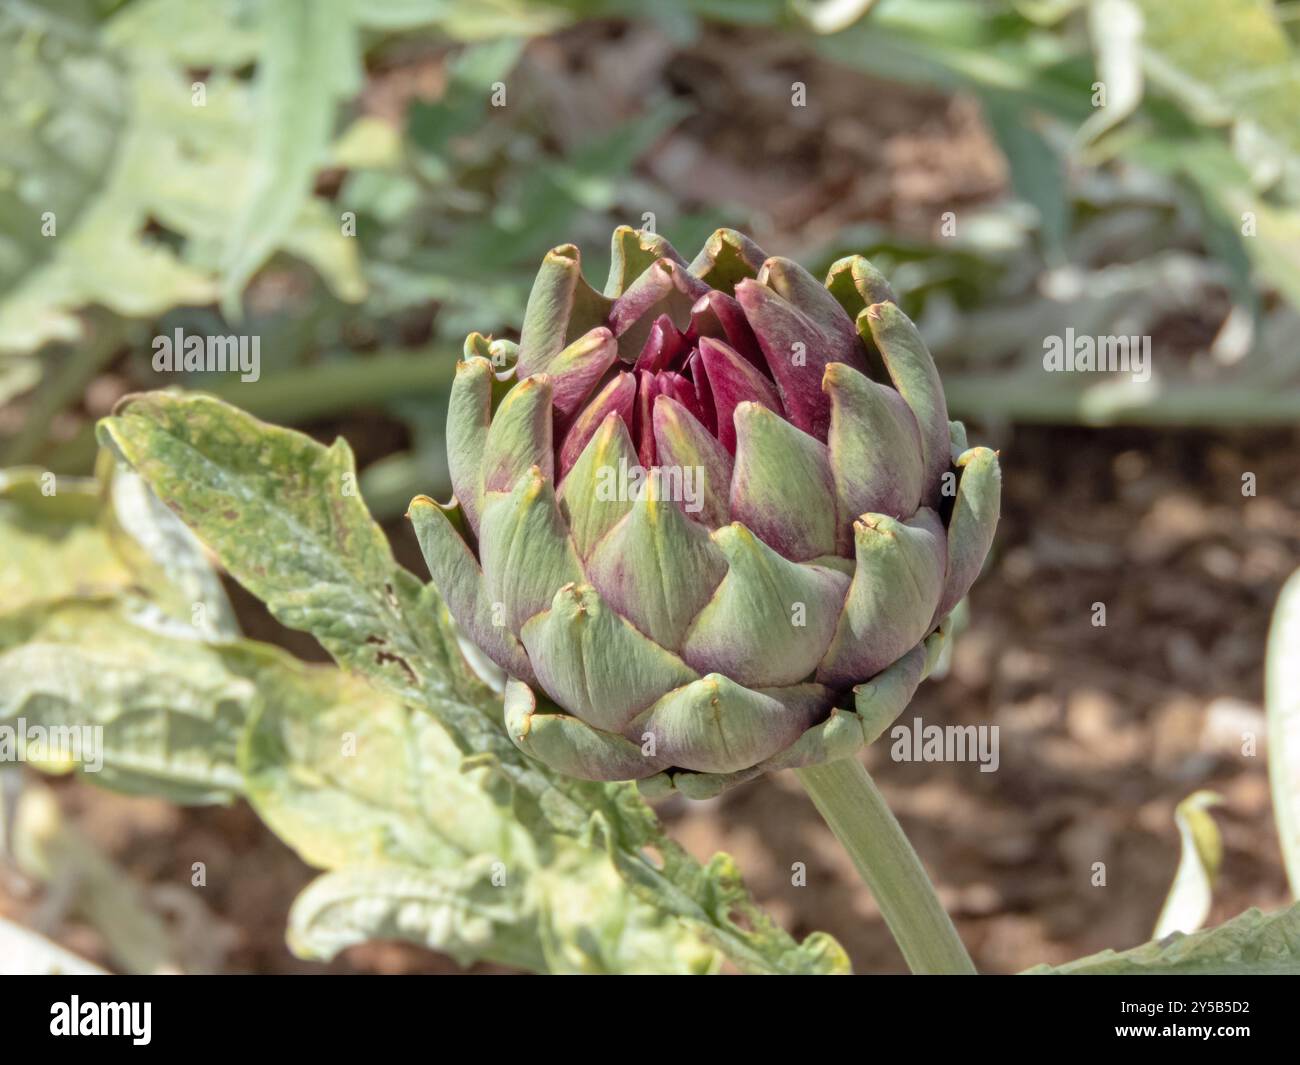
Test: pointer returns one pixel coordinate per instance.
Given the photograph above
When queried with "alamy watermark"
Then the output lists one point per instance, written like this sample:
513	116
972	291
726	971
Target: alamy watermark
676	484
130	1019
1098	354
919	742
82	744
208	354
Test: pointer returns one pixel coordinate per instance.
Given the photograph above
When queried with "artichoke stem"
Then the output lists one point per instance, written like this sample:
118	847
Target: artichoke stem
849	801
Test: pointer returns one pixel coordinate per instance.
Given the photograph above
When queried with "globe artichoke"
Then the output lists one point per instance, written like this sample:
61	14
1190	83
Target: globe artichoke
711	521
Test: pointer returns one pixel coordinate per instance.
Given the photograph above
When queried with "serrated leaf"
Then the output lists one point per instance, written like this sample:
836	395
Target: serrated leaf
282	514
1251	944
1252	87
81	649
956	45
1282	697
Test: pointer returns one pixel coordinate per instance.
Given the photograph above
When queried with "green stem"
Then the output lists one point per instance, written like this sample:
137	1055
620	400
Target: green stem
327	388
853	807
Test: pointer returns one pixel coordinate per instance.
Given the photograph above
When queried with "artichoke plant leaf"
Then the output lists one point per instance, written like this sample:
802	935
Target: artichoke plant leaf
103	612
347	775
164	557
164	711
456	911
1251	944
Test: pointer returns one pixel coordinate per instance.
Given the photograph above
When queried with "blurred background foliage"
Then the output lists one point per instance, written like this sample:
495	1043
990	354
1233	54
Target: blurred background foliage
360	183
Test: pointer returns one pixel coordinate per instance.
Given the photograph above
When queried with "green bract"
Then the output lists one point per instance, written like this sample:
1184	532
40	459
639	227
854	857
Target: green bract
697	534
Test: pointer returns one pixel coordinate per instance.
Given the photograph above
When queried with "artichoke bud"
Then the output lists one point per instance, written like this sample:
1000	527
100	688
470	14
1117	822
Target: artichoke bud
701	537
